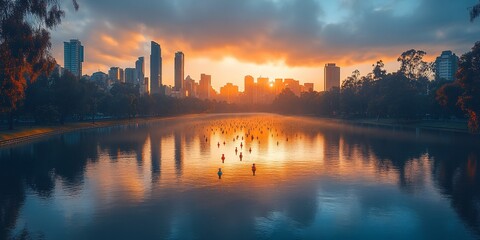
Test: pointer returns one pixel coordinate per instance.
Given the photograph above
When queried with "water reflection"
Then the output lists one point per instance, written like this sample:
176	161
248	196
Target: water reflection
313	179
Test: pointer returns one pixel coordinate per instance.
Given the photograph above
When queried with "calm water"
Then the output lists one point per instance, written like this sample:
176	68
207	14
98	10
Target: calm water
159	181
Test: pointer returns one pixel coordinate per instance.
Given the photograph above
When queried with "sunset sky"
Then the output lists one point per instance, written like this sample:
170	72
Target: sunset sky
271	38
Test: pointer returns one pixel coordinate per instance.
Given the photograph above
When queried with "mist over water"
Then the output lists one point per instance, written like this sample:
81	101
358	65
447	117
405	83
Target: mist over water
314	179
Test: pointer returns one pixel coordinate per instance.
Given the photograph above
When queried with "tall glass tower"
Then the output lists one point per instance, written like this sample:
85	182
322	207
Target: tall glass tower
73	56
155	68
179	70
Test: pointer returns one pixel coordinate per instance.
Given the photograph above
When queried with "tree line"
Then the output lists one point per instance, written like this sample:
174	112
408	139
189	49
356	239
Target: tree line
55	99
407	94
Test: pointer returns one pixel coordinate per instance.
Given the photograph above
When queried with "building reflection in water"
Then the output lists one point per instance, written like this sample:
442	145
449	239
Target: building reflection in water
325	172
155	150
178	152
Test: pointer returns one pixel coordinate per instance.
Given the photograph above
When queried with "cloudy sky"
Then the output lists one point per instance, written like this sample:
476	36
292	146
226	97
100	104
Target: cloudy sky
271	38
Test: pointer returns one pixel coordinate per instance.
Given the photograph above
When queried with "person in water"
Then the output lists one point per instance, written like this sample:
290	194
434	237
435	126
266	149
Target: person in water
254	169
219	173
241	156
223	157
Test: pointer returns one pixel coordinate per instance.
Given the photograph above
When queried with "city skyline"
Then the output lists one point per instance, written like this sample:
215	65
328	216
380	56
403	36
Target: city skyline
353	34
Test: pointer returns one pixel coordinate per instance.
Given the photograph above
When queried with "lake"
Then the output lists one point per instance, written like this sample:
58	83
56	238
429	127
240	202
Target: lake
314	179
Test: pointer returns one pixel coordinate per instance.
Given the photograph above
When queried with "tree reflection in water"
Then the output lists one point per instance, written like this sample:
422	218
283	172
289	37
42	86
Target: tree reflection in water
154	180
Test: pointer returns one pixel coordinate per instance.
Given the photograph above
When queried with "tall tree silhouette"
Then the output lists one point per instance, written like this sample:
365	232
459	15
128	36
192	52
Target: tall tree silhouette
24	45
468	77
475	11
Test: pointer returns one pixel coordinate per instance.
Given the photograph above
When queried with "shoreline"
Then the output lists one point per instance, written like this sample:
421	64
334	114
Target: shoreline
429	125
30	133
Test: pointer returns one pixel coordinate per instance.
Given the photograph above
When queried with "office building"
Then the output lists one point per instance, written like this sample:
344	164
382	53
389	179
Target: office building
114	73
140	74
331	76
446	66
293	85
205	86
155	68
121	75
308	87
229	92
73	56
191	87
130	75
179	70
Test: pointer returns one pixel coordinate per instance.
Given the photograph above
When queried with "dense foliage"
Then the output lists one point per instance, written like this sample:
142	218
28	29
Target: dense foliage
405	94
56	99
24	44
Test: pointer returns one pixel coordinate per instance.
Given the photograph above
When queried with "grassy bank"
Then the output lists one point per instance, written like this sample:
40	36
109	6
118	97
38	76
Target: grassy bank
440	125
27	133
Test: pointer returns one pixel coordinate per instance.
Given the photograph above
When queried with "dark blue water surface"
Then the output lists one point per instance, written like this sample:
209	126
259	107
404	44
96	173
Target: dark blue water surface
315	179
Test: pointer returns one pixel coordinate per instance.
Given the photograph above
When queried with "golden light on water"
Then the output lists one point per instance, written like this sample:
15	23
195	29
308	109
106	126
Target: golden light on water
187	155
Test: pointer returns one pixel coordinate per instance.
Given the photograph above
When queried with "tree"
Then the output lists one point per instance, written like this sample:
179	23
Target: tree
412	65
379	70
24	45
124	100
468	77
92	99
474	12
286	102
39	100
349	99
447	96
68	94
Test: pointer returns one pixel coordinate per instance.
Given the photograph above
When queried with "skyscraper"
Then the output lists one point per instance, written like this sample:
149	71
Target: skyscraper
446	66
130	75
249	85
331	76
205	85
73	56
121	74
114	73
140	70
155	68
179	70
140	74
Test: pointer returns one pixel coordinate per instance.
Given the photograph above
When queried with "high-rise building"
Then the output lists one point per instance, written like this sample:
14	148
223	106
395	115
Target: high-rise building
114	73
205	86
249	90
140	74
121	74
293	85
179	70
331	76
130	75
446	66
229	92
308	87
73	56
279	85
190	87
144	86
100	78
155	68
